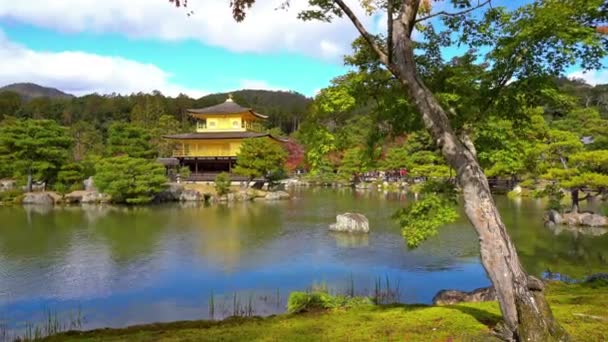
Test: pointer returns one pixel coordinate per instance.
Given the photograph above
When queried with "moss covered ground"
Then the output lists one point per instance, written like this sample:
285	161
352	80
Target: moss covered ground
581	308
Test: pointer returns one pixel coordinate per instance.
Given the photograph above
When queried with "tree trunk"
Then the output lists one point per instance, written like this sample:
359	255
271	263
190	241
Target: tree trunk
575	200
28	186
526	314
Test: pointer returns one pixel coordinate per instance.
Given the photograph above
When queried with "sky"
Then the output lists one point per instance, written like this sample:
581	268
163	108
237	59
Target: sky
117	46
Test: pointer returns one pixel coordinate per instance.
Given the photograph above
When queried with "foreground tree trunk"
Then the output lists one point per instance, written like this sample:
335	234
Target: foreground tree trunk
526	314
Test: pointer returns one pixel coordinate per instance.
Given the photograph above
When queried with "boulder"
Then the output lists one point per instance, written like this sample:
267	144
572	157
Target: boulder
597	277
277	195
585	219
351	223
593	220
41	198
554	217
189	195
450	297
7	184
171	194
90	197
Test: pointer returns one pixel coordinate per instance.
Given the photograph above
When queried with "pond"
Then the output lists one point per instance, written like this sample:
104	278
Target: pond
120	266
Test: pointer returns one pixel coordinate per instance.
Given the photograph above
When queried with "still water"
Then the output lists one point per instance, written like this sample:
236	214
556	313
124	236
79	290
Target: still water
122	266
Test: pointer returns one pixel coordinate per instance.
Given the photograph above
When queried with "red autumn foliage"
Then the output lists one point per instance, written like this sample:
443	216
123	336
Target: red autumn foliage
295	155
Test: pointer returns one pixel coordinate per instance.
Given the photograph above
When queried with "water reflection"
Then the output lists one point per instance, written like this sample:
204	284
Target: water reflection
136	265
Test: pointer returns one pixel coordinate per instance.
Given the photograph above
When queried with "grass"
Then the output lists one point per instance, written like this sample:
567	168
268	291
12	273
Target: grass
581	308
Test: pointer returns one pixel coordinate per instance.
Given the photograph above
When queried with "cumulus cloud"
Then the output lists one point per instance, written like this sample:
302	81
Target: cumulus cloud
592	77
82	73
265	29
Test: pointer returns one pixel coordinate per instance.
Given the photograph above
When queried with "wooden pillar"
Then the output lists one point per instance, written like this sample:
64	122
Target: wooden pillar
229	165
195	165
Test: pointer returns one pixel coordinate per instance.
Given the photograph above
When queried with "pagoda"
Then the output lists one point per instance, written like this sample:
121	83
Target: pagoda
213	147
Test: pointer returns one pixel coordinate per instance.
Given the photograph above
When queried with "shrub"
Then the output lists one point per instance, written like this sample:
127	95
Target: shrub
130	180
222	184
11	196
302	302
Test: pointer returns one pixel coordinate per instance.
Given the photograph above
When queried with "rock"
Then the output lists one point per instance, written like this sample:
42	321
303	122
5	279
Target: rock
585	219
351	222
244	196
277	195
171	194
597	277
449	297
554	217
89	185
189	195
593	220
42	198
7	184
91	197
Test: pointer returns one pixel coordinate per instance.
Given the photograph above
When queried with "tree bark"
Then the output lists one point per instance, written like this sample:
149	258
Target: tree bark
526	314
575	200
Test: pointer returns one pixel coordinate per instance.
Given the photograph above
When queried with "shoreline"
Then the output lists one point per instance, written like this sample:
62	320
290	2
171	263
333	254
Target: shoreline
580	307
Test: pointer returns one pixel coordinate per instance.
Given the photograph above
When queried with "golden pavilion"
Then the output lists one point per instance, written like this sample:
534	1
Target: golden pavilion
213	147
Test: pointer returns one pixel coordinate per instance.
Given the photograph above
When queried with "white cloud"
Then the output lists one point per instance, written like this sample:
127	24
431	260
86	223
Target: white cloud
258	85
265	29
592	77
82	73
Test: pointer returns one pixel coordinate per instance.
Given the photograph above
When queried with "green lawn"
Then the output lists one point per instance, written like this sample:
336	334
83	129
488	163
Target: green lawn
582	309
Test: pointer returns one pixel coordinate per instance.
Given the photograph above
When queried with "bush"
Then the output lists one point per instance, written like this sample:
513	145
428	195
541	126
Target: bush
11	196
302	302
130	180
222	184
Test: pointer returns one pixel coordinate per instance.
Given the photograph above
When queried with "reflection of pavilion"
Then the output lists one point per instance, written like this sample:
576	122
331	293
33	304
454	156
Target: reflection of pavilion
213	148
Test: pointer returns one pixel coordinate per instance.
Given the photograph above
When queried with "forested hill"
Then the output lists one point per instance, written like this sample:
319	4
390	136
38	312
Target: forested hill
285	109
26	100
30	90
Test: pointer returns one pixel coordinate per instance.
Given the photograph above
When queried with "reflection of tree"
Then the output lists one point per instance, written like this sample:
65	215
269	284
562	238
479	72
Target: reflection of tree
35	233
131	232
227	233
541	249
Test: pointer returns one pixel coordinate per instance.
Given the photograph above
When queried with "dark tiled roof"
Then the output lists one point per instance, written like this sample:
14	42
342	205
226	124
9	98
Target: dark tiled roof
168	161
217	135
228	107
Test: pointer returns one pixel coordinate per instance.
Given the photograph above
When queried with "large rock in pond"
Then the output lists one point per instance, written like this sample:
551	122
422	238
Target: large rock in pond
585	219
41	198
351	223
277	195
449	297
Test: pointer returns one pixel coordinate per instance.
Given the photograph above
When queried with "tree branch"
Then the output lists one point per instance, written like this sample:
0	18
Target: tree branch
453	14
368	37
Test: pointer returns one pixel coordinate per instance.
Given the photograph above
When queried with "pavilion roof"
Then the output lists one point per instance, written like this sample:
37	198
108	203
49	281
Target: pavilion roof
228	107
220	135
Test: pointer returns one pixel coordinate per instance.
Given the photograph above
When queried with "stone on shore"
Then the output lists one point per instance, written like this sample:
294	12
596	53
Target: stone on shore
277	195
189	195
351	223
450	297
42	198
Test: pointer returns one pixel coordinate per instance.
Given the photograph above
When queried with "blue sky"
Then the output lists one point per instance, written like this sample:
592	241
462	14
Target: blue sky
84	46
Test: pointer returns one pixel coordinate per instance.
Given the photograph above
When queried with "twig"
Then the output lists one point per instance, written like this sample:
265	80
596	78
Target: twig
454	14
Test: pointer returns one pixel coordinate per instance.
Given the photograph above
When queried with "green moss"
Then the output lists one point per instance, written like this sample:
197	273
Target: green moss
581	309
